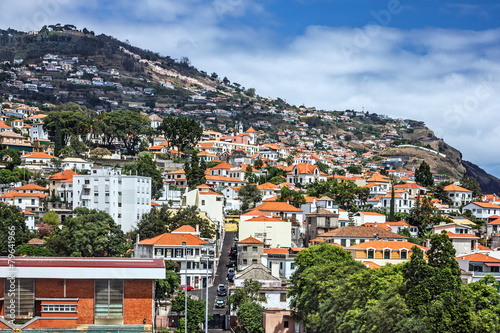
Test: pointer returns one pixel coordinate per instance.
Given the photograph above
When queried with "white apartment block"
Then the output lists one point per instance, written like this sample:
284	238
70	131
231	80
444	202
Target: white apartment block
125	198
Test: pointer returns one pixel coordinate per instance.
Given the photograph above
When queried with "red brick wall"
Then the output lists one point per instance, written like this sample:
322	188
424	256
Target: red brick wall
137	302
49	288
84	291
53	323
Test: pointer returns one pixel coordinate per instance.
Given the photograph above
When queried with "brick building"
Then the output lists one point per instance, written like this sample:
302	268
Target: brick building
78	293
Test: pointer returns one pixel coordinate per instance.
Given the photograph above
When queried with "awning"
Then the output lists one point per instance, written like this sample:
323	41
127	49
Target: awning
492	264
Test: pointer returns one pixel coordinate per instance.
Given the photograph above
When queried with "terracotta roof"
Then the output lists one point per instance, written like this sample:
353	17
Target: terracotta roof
322	211
317	240
452	235
250	130
276	250
378	225
478	257
26	212
30	187
37	155
483	248
15	194
456	188
224	179
277	207
223	165
377	177
371	213
494	222
154	204
486	205
409	186
4	125
250	240
324	198
371	264
402	223
360	231
383	244
184	229
63	175
268	186
174	239
36	241
264	219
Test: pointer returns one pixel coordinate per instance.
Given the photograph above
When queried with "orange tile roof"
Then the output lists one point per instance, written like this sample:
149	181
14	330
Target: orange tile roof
15	194
486	205
379	225
271	199
494	222
37	155
408	186
63	175
361	232
174	239
250	240
317	240
276	250
455	188
223	165
377	177
30	187
483	248
371	264
250	130
402	223
478	257
264	219
382	244
224	179
371	213
28	212
4	125
36	241
268	186
184	229
154	204
277	207
452	235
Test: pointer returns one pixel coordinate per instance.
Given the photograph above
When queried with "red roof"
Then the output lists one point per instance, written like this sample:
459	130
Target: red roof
264	219
63	175
277	207
479	257
223	165
174	239
37	155
452	235
250	240
14	194
30	187
455	188
84	262
277	250
184	229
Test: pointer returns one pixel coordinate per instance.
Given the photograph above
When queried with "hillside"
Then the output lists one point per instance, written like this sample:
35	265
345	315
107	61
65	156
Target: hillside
62	64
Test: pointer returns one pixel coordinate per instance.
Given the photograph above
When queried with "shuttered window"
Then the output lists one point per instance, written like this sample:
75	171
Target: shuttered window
20	298
109	299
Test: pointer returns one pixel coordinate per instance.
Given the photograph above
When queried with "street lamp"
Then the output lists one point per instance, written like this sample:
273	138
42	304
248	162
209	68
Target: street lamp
185	291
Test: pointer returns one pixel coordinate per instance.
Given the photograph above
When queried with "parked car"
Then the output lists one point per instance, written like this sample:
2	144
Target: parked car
221	290
220	303
188	287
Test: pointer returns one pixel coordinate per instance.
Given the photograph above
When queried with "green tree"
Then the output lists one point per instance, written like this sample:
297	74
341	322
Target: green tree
11	158
423	175
195	171
51	218
195	312
250	92
182	132
249	195
88	233
66	123
472	184
165	287
245	301
295	198
99	152
391	208
258	164
250	317
26	250
13	230
128	127
354	169
323	167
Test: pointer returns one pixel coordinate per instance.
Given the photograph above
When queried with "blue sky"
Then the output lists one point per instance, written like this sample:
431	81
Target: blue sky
429	60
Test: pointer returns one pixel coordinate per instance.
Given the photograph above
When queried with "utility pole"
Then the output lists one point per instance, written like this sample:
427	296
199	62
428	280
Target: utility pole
185	291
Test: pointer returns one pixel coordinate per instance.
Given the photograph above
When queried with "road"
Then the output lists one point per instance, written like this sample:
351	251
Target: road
220	278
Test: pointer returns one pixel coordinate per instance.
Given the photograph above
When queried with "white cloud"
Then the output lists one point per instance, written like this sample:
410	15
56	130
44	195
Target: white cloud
448	78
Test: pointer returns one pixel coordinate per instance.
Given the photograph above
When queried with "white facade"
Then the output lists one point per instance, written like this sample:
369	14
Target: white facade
271	231
482	210
38	132
124	198
76	164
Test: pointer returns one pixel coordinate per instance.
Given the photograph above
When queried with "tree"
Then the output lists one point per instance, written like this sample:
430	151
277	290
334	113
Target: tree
293	197
249	194
146	166
250	92
13	230
472	184
11	158
182	132
79	147
165	287
127	126
248	172
99	152
88	233
195	171
423	175
65	123
323	167
51	218
354	169
44	230
391	209
195	312
250	317
26	250
245	302
258	164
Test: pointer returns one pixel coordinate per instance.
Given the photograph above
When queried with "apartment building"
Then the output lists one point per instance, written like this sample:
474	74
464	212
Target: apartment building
124	197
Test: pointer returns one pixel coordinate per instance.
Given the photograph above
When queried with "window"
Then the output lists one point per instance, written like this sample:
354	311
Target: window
343	242
245	248
254	249
203	202
59	308
282	297
361	241
495	269
370	254
403	255
292	266
352	242
285	324
108	299
23	297
387	254
244	261
254	261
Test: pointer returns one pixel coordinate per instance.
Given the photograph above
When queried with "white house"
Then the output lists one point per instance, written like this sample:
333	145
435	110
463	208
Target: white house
273	232
305	173
75	163
459	196
37	131
482	210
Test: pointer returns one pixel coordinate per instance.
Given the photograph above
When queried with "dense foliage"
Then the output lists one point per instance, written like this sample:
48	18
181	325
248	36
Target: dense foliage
13	229
333	293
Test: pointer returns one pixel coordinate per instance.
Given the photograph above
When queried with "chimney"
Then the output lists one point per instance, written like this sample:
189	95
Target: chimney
375	224
275	269
197	228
